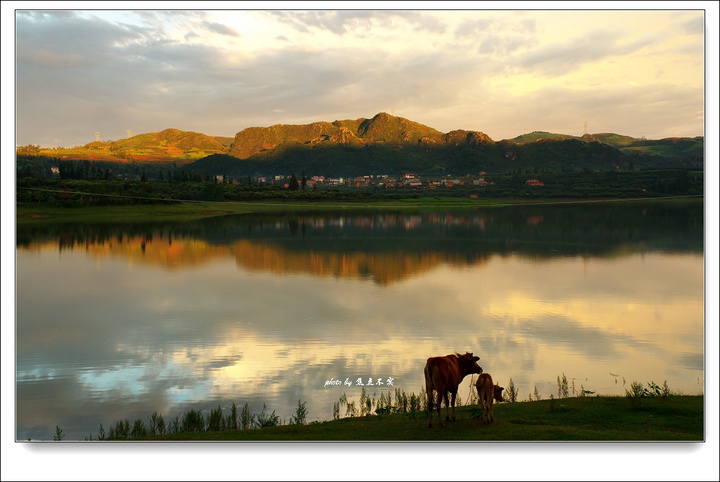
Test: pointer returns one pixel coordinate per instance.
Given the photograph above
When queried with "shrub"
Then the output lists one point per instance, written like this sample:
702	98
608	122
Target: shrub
157	423
216	422
101	433
193	421
246	420
511	393
267	420
638	391
300	414
562	386
139	430
121	430
232	420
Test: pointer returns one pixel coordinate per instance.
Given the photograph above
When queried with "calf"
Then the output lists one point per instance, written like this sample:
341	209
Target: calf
487	393
444	374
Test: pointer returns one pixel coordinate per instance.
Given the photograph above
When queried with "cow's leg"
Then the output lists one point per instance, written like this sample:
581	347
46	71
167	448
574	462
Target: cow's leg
454	395
490	411
483	408
439	406
481	404
447	407
430	405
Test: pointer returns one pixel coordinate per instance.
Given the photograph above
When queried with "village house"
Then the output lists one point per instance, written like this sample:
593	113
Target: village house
361	181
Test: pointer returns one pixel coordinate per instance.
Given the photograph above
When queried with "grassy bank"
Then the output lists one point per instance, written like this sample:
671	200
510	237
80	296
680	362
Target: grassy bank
186	211
28	213
677	418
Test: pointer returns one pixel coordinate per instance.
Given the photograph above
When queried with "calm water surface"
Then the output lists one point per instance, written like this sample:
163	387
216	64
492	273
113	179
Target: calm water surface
118	322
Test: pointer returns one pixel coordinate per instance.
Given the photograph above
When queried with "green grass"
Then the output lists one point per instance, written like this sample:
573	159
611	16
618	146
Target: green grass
43	214
28	214
677	418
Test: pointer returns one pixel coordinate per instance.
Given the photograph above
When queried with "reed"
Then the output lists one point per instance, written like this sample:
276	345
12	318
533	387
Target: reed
388	403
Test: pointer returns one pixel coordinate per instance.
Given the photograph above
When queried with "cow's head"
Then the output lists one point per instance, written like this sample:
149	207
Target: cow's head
468	363
497	393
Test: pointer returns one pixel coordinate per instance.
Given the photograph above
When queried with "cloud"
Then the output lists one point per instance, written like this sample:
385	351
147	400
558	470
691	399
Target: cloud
359	22
79	72
558	59
694	26
220	28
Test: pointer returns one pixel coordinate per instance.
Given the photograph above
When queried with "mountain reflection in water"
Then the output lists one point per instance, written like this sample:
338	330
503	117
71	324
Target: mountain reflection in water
388	247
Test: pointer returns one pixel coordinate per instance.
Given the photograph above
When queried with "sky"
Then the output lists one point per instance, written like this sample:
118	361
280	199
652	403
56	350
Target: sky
502	72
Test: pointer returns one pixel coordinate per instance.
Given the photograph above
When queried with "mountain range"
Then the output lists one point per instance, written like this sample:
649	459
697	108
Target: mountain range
386	144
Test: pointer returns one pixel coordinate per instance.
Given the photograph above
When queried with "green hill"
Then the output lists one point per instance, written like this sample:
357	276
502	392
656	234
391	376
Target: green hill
167	143
538	136
670	147
385	144
457	154
614	140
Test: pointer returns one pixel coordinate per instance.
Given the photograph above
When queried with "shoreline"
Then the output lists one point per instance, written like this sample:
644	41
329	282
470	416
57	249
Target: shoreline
43	213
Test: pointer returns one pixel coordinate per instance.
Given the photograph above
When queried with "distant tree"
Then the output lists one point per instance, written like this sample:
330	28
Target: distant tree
303	181
293	185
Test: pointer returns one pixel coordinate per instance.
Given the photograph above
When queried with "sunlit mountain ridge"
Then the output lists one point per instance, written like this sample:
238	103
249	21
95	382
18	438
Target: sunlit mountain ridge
383	144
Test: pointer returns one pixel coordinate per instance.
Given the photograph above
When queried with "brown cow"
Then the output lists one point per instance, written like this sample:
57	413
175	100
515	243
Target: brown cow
444	374
487	392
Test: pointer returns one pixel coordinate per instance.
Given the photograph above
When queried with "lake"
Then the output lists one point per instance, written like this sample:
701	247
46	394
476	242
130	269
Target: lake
120	321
